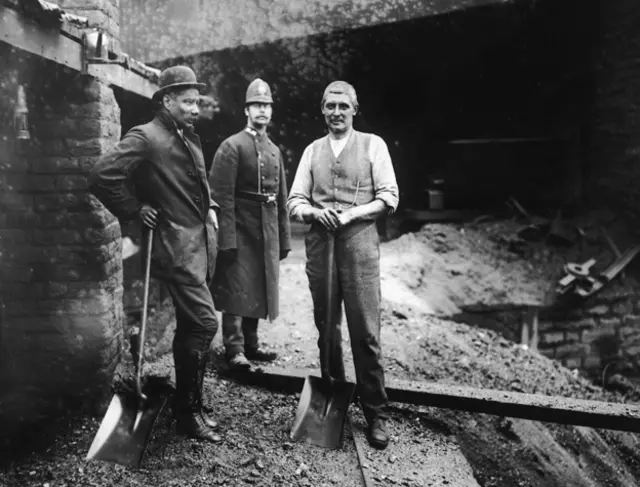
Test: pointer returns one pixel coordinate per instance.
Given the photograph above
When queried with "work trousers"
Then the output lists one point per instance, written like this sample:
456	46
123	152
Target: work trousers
196	321
239	333
356	282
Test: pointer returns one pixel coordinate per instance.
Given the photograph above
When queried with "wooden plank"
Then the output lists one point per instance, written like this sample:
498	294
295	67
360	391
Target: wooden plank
537	407
126	79
28	35
24	33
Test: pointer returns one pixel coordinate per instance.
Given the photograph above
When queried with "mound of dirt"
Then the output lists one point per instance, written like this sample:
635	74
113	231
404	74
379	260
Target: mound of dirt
449	266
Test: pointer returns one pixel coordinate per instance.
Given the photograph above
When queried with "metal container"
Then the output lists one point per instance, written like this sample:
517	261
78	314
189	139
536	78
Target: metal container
436	199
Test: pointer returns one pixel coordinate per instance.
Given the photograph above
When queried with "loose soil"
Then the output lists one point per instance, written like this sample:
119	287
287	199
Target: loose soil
426	277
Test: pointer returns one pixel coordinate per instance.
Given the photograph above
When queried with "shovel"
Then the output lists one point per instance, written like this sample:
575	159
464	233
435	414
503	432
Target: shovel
125	430
324	402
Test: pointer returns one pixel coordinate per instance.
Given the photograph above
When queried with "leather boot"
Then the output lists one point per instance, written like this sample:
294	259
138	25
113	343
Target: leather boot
202	366
188	404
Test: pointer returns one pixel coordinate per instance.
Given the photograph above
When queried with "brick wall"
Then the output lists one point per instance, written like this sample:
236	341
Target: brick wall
586	335
60	256
605	330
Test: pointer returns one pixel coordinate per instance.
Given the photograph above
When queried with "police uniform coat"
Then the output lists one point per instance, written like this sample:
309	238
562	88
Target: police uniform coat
157	165
246	166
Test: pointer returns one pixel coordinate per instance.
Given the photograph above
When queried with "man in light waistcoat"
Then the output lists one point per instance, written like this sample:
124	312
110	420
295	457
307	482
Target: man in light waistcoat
345	181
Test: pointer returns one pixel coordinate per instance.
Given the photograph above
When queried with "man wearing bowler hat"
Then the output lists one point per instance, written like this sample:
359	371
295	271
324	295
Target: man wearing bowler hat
162	160
248	181
345	181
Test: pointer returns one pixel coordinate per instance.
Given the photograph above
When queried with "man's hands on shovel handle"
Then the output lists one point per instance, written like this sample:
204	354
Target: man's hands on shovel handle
332	219
149	216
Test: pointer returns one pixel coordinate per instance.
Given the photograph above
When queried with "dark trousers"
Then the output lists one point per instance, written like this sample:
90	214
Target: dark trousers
357	283
239	333
196	321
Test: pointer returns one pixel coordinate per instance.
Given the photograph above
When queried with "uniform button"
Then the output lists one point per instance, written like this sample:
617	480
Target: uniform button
263	178
337	162
197	200
262	164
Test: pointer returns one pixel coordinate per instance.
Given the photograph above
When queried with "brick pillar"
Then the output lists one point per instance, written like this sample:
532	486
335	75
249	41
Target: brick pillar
60	256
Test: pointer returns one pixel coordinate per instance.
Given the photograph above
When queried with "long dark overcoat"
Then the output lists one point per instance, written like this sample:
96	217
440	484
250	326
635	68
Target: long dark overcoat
157	165
249	163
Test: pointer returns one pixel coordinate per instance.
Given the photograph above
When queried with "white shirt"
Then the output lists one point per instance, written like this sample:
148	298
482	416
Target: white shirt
338	144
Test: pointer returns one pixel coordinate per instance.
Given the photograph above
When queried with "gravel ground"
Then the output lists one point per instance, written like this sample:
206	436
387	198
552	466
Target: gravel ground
429	446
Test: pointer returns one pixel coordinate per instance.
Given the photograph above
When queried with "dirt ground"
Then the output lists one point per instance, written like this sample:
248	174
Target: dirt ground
426	277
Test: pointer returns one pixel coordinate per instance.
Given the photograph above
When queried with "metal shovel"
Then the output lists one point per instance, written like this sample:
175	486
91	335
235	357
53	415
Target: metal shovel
125	430
324	402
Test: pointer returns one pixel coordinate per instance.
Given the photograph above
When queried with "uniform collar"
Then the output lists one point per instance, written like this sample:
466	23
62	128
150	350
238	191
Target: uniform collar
254	133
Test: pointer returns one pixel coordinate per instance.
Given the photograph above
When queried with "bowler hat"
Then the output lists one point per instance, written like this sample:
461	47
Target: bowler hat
176	77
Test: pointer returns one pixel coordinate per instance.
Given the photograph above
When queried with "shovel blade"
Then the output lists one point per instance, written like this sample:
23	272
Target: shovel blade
125	430
322	412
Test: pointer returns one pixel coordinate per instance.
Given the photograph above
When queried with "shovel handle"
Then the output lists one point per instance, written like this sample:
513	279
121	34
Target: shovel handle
145	305
328	325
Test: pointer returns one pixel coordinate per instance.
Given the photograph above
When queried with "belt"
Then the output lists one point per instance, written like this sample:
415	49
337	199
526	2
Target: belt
259	197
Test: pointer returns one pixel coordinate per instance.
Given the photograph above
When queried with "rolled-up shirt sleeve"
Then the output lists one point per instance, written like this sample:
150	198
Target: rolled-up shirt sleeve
302	187
110	179
385	185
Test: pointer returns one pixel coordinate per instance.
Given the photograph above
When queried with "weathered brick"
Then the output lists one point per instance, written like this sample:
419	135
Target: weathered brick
54	165
25	220
85	110
573	362
71	182
601	309
572	336
627	332
40	183
59	236
101	236
632	321
581	324
573	350
55	128
86	147
14	236
590	336
592	362
13	166
623	308
17	272
55	147
633	351
86	163
62	201
12	201
552	337
610	323
545	325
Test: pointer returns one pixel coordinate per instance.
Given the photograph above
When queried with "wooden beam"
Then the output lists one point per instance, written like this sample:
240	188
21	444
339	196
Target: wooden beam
24	33
537	407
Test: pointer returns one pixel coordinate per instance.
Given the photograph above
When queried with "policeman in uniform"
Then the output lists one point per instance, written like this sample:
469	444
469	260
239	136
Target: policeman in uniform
248	182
